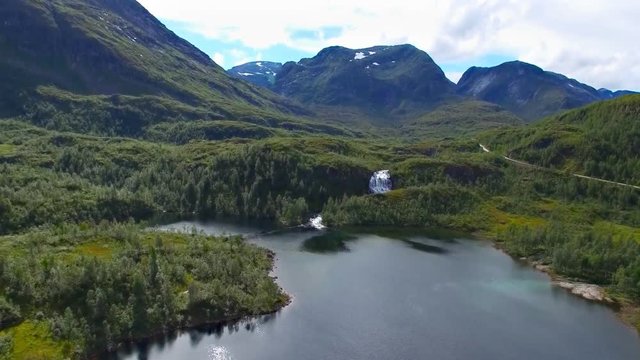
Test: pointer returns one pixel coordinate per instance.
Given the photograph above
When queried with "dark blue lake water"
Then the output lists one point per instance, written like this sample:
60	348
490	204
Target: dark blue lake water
389	295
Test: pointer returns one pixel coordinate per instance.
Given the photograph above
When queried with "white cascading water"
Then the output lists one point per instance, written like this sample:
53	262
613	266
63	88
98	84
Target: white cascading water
316	223
380	182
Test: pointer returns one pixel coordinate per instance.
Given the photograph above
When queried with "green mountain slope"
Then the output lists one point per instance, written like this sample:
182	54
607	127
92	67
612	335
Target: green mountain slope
600	140
108	47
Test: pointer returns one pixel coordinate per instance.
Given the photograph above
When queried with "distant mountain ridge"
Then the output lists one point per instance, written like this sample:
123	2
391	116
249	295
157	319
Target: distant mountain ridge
387	79
394	79
261	73
527	90
609	94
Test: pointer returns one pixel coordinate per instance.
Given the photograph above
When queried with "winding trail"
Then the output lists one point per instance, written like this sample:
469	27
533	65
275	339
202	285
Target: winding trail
522	163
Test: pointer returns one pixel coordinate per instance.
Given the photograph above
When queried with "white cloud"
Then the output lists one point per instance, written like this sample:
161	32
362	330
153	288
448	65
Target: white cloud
593	41
218	58
239	57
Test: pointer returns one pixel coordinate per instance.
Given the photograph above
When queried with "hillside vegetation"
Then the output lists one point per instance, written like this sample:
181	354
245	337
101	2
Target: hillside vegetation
113	47
601	140
111	68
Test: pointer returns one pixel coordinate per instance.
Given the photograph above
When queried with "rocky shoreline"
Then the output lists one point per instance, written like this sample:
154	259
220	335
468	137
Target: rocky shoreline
627	311
586	291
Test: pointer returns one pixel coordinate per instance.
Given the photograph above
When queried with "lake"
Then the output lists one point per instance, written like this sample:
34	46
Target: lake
388	294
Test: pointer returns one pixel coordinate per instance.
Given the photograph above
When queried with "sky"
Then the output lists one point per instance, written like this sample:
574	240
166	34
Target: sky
593	41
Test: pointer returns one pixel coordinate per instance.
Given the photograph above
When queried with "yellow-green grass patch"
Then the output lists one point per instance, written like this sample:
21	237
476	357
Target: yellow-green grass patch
96	249
500	221
33	340
7	149
618	232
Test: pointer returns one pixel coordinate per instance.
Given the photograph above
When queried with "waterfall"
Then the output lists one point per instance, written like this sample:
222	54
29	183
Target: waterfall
380	182
316	223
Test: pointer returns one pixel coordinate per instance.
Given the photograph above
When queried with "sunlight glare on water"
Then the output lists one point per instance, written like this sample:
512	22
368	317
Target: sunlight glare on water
219	353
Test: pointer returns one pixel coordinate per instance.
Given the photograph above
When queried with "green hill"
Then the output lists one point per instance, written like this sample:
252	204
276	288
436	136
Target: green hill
600	140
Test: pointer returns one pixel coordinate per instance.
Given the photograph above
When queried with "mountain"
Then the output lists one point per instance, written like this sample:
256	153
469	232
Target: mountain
600	140
525	89
386	82
106	47
261	73
382	79
365	88
606	94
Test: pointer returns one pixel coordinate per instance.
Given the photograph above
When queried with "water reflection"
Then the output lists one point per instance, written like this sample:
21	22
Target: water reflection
142	348
428	248
334	241
329	242
440	234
